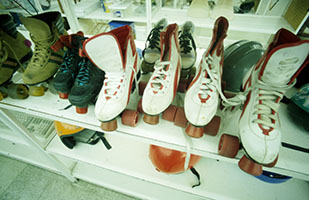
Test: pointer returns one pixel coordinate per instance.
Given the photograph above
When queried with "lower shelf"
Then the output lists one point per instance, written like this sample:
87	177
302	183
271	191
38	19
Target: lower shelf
128	161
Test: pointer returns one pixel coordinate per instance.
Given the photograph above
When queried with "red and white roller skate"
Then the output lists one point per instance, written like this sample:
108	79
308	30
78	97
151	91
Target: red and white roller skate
202	97
115	53
264	86
162	85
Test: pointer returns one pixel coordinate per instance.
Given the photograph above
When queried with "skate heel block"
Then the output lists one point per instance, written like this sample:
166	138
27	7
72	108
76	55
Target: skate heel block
63	95
80	110
194	131
151	119
109	126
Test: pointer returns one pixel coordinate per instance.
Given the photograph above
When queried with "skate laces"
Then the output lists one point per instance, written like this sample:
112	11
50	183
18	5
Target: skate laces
68	61
268	103
154	38
41	51
160	75
82	77
112	83
184	41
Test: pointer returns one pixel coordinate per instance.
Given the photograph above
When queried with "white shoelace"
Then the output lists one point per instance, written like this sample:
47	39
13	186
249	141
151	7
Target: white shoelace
112	83
160	76
268	108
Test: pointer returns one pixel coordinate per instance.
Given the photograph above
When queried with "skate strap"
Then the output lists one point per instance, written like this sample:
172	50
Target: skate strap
103	139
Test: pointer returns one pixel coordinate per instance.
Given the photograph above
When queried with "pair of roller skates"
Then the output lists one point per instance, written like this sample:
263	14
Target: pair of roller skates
264	86
77	79
171	55
15	52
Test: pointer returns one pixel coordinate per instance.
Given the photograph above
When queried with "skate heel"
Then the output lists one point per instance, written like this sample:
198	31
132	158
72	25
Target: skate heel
63	95
151	119
81	110
109	125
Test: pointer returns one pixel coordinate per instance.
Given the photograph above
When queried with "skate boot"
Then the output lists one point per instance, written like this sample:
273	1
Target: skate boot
264	86
188	55
152	51
15	51
45	29
64	79
162	85
119	60
202	98
87	85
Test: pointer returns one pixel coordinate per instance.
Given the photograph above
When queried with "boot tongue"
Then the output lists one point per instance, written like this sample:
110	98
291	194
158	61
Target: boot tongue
37	28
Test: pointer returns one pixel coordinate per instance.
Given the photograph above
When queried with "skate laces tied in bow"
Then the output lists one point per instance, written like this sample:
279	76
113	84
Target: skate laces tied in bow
268	98
208	85
41	51
160	76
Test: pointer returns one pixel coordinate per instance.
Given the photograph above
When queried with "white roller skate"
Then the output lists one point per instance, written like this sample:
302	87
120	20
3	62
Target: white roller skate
115	53
202	98
264	86
162	86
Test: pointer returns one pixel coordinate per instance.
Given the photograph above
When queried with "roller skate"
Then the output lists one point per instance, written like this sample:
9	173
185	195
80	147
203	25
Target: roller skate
162	85
45	29
87	85
15	51
188	55
119	60
202	97
264	86
64	79
152	51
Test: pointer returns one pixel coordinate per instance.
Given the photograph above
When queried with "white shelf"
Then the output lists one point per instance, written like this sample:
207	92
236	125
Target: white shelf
128	160
240	22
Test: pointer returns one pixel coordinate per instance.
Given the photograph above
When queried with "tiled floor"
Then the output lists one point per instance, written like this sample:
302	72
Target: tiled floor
21	181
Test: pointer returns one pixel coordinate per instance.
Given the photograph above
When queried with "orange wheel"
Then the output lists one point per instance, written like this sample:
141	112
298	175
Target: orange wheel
228	146
249	166
140	107
180	118
273	163
194	131
151	119
213	126
182	86
129	117
169	113
141	87
109	126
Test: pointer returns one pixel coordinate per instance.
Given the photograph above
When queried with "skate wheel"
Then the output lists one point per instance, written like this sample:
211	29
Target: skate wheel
80	110
147	67
141	87
151	119
249	166
63	95
194	131
140	107
182	86
228	146
213	126
109	126
36	90
129	117
17	91
273	163
180	118
169	113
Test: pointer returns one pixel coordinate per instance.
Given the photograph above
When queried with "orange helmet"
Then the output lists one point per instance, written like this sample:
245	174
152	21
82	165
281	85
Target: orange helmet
170	161
66	131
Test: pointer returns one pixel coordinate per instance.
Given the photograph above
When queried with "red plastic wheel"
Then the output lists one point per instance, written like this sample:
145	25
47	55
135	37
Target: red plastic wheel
273	163
249	166
213	126
228	146
109	126
151	119
63	95
140	107
169	113
81	110
129	117
180	118
141	87
194	131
